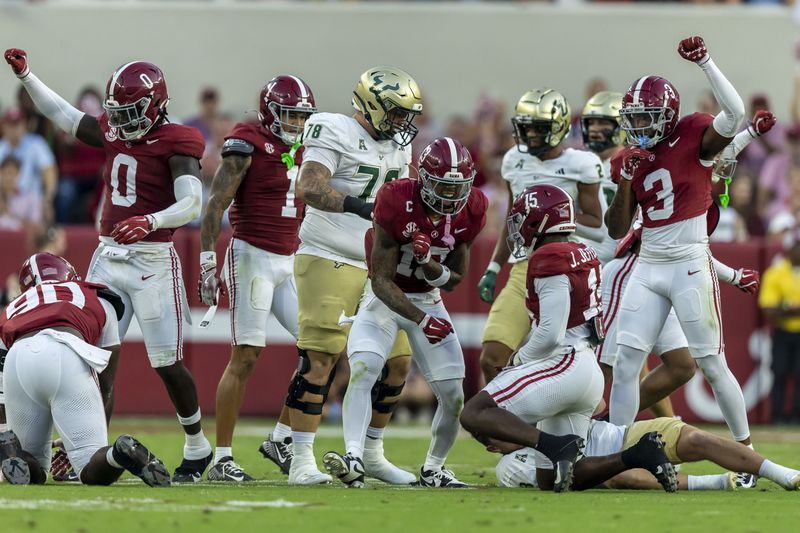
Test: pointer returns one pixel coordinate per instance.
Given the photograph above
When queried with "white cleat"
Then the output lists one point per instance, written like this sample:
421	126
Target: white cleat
792	481
378	467
306	473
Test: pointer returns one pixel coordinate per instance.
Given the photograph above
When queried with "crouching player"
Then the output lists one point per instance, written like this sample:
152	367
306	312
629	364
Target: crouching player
59	334
555	381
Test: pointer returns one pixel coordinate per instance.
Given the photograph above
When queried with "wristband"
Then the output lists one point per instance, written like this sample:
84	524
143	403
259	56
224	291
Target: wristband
494	267
443	278
208	257
352	204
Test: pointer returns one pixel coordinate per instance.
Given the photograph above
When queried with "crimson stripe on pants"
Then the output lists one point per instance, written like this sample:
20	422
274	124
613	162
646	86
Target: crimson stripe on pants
523	381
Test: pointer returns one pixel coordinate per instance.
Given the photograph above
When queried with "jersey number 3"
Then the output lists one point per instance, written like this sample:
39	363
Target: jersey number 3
664	205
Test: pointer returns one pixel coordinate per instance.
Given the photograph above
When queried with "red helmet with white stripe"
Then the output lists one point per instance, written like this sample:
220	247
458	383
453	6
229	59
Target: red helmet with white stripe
136	99
45	268
539	210
650	111
285	104
446	172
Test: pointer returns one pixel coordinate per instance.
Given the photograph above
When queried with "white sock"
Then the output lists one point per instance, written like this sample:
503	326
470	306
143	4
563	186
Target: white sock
302	451
280	432
444	430
365	370
221	452
713	482
303	437
775	472
623	404
110	459
375	433
728	394
196	446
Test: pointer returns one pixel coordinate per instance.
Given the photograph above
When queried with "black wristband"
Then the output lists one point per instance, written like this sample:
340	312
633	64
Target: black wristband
357	206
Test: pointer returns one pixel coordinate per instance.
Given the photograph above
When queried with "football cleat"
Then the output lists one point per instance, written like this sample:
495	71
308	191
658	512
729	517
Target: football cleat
792	481
279	452
227	470
348	468
651	455
136	459
745	480
440	478
377	466
60	467
307	473
191	470
15	469
563	451
730	483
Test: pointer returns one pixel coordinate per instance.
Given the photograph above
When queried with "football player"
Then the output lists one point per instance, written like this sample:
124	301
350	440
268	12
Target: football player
541	124
152	186
666	170
419	245
682	443
58	334
554	381
258	172
346	161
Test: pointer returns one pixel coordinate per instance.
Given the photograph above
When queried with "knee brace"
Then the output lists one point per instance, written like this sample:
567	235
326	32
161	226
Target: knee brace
381	391
300	385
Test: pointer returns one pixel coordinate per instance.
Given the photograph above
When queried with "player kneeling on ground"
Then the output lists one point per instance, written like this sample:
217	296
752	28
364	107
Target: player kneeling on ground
682	444
59	334
555	380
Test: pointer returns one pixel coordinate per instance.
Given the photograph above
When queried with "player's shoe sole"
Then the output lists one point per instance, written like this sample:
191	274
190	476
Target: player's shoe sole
564	478
654	459
137	459
348	469
563	451
16	471
279	452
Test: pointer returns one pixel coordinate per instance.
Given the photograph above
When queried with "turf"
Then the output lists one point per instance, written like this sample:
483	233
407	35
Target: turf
270	505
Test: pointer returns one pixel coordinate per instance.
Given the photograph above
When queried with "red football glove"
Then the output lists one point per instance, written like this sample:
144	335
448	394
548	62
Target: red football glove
693	49
435	329
60	466
761	124
18	60
631	158
422	247
133	229
746	280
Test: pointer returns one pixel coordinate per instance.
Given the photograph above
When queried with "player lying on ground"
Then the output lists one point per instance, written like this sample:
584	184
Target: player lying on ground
682	443
59	333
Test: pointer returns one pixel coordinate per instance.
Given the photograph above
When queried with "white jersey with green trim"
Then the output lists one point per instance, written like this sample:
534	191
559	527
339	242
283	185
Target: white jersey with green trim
359	166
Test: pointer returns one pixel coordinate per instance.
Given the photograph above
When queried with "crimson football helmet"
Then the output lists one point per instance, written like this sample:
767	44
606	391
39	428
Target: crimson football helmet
446	173
136	99
43	268
539	210
650	111
281	101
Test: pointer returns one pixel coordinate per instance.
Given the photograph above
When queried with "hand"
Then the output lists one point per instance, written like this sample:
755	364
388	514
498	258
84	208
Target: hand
60	465
746	280
693	49
18	60
486	286
209	283
761	124
422	247
631	158
133	229
435	329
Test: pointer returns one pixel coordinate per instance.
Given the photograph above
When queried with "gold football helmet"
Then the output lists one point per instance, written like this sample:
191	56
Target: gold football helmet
603	105
542	121
389	98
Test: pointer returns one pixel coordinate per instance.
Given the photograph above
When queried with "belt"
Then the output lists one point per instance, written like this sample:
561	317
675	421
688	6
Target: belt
65	329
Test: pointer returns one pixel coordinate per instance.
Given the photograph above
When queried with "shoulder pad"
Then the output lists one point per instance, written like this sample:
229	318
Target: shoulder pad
114	299
238	147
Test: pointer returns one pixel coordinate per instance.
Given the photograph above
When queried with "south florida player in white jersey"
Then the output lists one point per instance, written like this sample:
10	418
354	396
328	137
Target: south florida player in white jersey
667	171
152	186
541	124
345	162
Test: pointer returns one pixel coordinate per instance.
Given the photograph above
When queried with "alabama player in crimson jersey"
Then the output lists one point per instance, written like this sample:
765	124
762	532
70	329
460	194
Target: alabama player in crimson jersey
555	383
58	334
258	172
667	172
152	186
419	244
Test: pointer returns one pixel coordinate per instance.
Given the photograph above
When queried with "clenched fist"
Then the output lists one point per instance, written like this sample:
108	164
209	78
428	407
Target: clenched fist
422	247
133	229
18	60
746	280
631	159
761	124
693	49
435	329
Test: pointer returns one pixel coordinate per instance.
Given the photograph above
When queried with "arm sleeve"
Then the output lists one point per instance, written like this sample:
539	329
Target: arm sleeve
730	118
189	197
554	306
110	334
739	143
724	272
52	105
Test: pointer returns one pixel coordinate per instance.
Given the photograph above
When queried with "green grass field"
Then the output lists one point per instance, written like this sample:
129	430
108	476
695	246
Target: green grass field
270	505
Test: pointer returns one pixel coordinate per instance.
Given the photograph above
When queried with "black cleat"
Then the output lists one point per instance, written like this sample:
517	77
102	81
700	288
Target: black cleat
226	469
348	468
136	459
649	454
563	451
191	470
441	478
279	452
15	469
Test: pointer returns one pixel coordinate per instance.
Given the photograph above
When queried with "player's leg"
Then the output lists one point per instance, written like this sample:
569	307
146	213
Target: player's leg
662	407
507	324
615	276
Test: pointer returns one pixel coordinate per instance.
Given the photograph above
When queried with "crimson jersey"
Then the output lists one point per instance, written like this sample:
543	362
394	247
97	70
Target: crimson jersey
73	304
674	185
400	212
580	264
265	212
137	177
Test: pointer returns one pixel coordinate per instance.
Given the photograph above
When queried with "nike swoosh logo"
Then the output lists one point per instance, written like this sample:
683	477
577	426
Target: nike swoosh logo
693	273
153	141
459	230
659	470
145	278
673	143
236	478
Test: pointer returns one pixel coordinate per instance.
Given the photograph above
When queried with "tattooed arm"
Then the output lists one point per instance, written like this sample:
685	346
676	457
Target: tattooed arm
457	262
223	188
385	257
619	215
314	188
